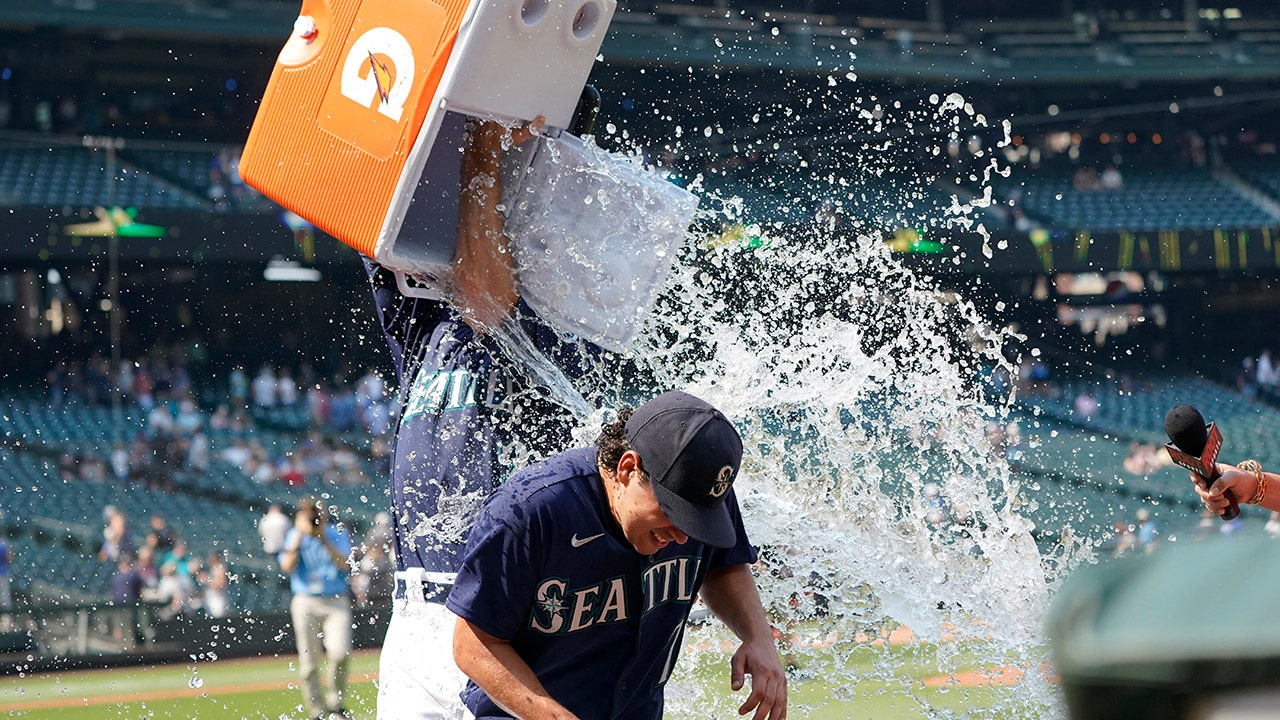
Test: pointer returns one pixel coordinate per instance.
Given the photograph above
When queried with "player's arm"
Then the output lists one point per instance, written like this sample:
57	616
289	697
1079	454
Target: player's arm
336	553
482	264
292	549
730	593
503	675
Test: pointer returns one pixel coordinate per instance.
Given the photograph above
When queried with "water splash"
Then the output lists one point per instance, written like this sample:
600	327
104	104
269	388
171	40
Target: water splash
896	554
855	387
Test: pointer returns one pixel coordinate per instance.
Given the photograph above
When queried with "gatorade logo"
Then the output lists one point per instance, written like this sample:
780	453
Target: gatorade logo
379	69
386	58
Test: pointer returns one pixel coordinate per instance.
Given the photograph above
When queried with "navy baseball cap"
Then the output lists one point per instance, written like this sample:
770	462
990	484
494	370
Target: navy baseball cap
691	453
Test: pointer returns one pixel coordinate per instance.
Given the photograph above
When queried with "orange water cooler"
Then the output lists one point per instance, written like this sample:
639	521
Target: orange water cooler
362	122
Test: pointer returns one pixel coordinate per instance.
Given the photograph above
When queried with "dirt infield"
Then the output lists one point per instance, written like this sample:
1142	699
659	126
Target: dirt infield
996	675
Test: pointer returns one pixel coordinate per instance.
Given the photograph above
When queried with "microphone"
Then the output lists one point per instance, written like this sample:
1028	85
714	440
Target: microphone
1194	446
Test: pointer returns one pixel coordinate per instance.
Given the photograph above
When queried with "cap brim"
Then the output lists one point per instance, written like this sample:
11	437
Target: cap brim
709	526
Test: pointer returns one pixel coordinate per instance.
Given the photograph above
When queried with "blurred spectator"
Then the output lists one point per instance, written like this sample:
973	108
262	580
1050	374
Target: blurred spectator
1086	178
1247	381
286	390
312	454
238	454
160	421
260	469
318	405
1111	178
181	558
189	420
56	379
1267	375
68	467
141	459
161	539
995	437
215	580
175	589
146	567
272	528
290	471
1235	526
1086	405
126	583
1207	523
116	542
238	384
370	388
1145	458
342	409
6	593
1273	524
1013	449
1125	540
120	461
935	507
1148	531
379	534
197	460
1034	376
127	589
93	468
221	418
374	581
375	415
142	385
264	388
124	380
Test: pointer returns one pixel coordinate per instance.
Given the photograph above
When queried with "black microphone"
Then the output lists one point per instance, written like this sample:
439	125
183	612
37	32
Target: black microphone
1194	446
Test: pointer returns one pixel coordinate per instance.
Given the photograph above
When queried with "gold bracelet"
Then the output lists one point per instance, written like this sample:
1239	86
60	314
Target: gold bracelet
1259	481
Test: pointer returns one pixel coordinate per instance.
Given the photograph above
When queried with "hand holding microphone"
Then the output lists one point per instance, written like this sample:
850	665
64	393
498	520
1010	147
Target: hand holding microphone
1194	446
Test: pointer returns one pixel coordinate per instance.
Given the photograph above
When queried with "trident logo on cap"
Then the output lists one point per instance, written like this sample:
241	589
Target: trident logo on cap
723	481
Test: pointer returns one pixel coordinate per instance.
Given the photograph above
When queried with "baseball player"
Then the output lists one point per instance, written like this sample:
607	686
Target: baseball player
579	574
466	415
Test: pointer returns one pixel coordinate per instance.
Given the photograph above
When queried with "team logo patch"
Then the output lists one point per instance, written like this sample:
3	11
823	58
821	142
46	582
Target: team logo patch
723	481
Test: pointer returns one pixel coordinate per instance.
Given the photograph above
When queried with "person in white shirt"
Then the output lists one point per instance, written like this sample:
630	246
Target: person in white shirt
1267	375
286	389
273	527
264	388
238	454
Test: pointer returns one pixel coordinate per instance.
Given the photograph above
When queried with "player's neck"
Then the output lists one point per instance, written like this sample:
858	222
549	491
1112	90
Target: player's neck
608	491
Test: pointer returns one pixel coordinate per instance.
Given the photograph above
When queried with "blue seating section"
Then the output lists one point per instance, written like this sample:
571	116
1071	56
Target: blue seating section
1264	176
73	427
188	169
1150	200
1139	413
1189	200
79	177
882	204
1083	457
56	523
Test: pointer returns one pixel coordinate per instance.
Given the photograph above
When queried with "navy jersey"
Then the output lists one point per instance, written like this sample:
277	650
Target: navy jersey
548	569
466	417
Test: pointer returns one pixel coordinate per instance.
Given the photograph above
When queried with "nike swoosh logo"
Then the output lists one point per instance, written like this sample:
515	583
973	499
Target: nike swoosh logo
579	542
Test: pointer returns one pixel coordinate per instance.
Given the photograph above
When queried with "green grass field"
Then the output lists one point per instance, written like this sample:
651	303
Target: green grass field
872	682
257	688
